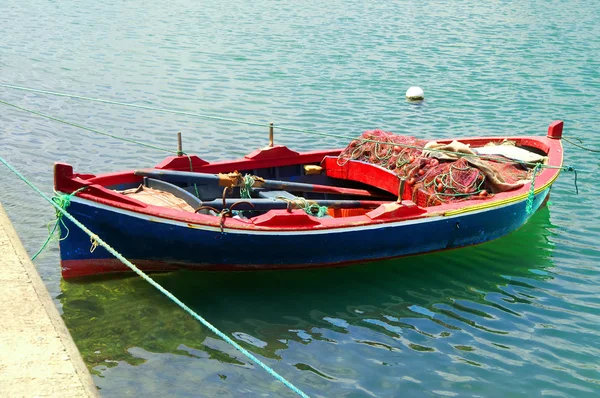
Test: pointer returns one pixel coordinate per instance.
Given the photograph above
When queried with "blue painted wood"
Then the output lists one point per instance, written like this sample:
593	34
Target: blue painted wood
273	203
139	239
276	194
189	178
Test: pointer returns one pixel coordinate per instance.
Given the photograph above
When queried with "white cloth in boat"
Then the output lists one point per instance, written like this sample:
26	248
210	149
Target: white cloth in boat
508	149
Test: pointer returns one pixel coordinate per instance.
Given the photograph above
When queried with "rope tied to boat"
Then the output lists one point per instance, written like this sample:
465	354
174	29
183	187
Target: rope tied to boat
580	146
574	170
310	207
358	150
246	187
531	196
152	282
239	121
63	201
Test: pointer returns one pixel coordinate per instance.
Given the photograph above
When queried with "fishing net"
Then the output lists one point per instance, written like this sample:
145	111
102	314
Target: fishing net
394	152
449	182
436	173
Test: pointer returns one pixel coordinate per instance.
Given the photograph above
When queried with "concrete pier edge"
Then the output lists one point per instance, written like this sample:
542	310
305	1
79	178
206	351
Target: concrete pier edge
37	354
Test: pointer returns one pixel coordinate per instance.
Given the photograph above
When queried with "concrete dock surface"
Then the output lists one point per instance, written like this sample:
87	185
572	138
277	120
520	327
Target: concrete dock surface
38	357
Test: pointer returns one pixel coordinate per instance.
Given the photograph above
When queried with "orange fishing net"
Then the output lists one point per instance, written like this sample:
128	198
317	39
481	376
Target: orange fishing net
430	180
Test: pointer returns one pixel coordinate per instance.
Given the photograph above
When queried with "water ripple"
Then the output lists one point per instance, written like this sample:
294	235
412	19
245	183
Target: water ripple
513	317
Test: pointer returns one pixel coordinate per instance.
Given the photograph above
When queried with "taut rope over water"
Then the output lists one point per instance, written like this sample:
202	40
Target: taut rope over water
313	132
581	146
87	128
95	238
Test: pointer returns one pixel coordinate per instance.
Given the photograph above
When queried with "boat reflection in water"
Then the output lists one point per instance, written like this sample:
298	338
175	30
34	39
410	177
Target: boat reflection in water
440	303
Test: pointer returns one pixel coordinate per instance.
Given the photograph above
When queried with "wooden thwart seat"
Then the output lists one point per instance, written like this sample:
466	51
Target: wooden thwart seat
276	194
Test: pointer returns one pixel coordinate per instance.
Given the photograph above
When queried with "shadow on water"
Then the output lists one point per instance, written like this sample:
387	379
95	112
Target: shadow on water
266	311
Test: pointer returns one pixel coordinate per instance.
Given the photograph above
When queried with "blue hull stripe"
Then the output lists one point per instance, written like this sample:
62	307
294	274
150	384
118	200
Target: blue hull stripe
139	238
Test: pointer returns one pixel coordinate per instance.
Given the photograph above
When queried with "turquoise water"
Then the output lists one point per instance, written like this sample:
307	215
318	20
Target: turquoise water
515	317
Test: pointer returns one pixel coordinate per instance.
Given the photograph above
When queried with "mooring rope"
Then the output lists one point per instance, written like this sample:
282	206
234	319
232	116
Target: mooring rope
173	111
581	146
95	238
531	195
62	201
338	136
87	128
149	108
198	115
202	116
313	132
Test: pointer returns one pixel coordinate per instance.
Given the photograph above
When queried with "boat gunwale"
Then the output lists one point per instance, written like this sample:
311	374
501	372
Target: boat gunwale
552	148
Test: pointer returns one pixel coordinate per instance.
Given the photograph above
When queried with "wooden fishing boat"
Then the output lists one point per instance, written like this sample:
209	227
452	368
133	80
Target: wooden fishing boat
280	209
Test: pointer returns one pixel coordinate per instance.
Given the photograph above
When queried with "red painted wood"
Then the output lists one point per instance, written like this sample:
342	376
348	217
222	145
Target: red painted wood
251	164
63	174
121	177
534	143
283	218
66	181
181	163
327	189
366	173
394	210
555	130
275	152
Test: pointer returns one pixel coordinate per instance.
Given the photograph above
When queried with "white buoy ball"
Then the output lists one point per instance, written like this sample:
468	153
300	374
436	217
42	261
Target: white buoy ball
415	94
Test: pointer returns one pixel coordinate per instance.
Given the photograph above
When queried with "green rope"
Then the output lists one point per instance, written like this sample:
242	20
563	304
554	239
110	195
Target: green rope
49	238
531	196
311	208
63	201
246	189
161	289
315	210
86	128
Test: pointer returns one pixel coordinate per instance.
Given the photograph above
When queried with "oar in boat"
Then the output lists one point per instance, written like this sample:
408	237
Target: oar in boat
236	180
270	204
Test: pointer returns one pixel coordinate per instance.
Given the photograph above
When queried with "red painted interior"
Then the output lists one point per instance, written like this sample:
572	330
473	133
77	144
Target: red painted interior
283	218
394	211
66	181
274	152
366	173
